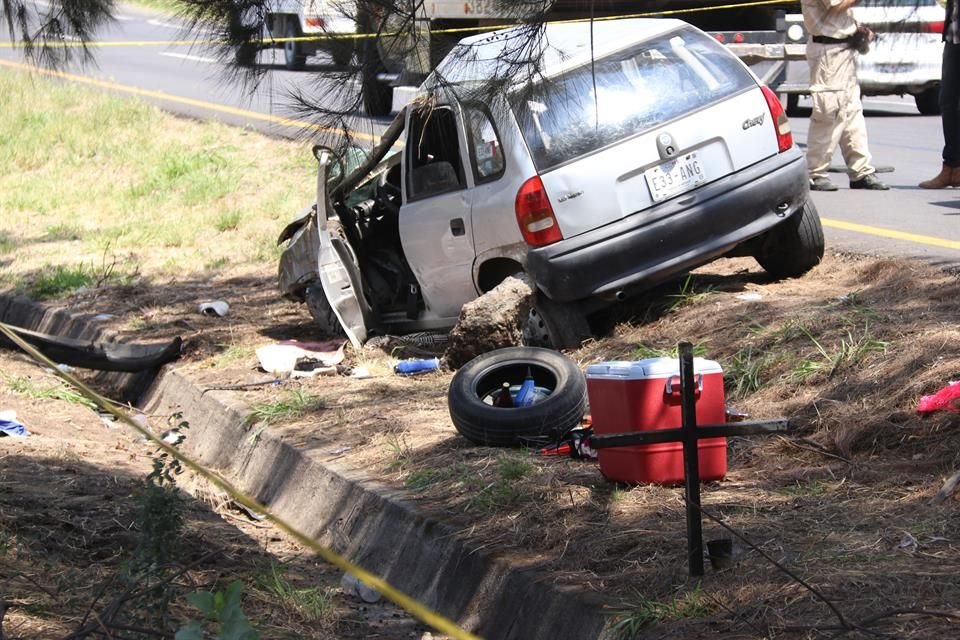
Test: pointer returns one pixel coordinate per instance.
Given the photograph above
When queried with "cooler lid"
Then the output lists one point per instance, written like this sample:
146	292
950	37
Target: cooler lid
647	368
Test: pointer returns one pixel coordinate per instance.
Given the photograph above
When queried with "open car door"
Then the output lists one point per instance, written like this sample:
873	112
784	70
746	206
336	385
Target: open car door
337	265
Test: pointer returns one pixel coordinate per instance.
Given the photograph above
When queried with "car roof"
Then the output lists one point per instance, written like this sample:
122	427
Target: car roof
506	54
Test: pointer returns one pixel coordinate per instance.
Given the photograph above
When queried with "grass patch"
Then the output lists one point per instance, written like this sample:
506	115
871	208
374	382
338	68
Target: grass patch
513	467
58	280
851	350
744	375
7	243
62	232
227	221
643	351
26	387
294	404
688	294
311	604
233	354
166	198
421	479
645	613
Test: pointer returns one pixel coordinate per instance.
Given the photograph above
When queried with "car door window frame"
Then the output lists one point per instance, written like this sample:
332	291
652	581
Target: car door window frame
420	119
474	159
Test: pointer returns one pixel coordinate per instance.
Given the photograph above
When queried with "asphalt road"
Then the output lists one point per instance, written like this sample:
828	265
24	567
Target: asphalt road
906	221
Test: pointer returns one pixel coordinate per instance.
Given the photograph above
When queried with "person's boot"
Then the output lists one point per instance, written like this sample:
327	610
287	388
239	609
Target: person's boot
948	177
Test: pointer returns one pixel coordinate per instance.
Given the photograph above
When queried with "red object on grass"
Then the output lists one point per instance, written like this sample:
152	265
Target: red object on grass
947	399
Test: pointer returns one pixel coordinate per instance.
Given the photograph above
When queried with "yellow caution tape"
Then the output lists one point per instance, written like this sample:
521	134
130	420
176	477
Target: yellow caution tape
414	607
362	36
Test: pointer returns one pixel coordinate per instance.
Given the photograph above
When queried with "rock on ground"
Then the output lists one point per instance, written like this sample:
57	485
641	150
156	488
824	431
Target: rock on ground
492	321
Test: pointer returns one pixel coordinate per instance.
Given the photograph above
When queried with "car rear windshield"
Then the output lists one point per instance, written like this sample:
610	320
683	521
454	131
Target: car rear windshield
623	94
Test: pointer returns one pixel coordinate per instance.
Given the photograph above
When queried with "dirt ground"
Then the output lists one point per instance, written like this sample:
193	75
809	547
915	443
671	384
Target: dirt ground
70	522
842	501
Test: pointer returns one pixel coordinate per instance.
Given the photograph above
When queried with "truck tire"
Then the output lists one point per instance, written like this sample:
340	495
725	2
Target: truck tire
794	246
548	419
294	58
377	95
928	101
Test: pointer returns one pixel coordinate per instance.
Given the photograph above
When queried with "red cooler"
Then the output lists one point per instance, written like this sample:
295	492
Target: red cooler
644	395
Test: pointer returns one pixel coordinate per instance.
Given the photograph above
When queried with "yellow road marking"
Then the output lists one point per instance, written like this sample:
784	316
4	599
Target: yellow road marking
891	234
203	104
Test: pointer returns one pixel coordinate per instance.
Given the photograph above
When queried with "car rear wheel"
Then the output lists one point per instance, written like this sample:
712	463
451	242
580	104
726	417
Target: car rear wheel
555	325
293	56
558	404
928	101
794	246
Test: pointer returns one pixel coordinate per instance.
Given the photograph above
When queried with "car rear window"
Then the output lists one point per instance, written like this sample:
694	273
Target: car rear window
624	93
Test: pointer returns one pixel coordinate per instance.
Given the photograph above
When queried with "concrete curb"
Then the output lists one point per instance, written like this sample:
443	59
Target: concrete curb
360	518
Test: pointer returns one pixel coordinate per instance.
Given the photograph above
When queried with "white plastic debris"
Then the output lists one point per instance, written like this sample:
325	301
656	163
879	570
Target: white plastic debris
749	296
353	587
215	308
285	357
102	317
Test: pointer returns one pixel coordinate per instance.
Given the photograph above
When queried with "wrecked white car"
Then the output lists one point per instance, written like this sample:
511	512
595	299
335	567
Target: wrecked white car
601	160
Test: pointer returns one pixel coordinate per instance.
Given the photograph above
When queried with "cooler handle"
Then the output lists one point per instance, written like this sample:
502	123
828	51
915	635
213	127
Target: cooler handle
673	386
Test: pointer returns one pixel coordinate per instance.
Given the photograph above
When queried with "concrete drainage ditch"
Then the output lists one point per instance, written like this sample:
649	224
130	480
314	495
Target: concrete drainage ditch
352	513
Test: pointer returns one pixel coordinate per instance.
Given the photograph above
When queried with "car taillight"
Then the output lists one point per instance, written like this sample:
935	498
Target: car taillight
932	27
535	215
315	22
780	122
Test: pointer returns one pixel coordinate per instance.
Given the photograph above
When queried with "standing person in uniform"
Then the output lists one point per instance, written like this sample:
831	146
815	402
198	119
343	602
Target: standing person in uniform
949	175
837	116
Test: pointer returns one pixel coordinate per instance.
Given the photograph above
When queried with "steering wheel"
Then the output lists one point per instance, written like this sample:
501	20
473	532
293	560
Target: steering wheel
389	196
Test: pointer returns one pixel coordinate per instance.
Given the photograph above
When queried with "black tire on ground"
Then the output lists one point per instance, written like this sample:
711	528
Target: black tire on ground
545	421
294	58
928	101
321	311
555	325
377	95
795	245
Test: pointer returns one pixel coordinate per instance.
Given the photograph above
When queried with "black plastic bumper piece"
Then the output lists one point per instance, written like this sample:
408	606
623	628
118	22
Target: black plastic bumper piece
688	231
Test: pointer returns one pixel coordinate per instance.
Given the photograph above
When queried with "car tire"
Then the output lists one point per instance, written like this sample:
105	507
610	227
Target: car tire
928	101
555	325
540	423
321	311
377	95
795	245
294	59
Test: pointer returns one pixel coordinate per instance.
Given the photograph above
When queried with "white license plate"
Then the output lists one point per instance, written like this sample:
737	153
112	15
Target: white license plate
675	177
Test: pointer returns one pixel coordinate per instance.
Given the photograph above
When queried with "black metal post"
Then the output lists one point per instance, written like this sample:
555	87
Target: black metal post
691	460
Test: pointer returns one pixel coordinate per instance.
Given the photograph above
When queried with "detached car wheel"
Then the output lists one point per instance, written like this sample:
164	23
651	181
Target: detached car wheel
794	246
559	400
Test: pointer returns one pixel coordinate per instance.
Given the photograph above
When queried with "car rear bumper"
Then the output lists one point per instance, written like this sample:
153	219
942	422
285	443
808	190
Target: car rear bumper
686	232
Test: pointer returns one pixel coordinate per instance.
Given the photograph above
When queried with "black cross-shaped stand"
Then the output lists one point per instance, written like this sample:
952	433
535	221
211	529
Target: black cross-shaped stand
689	433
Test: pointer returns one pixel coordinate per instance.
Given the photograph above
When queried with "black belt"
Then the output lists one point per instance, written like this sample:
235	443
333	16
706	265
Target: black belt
829	40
